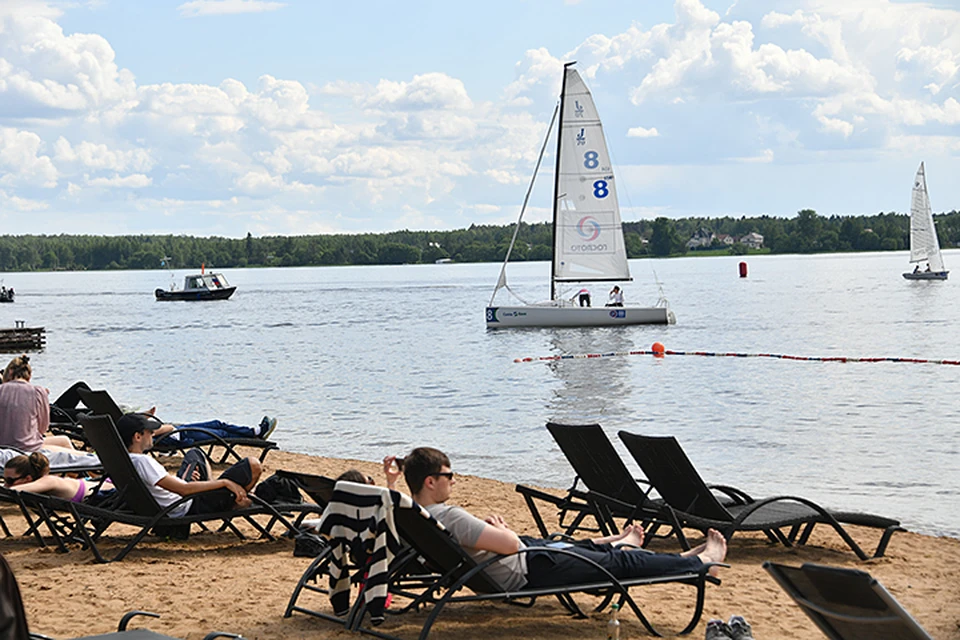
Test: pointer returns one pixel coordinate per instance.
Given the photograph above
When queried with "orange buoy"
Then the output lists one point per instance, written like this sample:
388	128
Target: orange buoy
657	349
743	269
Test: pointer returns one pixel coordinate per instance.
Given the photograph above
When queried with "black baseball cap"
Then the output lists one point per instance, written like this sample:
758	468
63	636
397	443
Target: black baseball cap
133	423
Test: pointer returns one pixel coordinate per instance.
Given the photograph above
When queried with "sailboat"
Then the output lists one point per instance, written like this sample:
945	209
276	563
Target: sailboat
924	246
588	241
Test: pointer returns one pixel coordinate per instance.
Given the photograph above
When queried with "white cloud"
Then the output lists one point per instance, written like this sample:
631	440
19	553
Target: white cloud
21	204
196	8
22	162
132	181
427	91
640	132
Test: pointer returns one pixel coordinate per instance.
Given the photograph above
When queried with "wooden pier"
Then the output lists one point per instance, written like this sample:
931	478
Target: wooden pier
22	338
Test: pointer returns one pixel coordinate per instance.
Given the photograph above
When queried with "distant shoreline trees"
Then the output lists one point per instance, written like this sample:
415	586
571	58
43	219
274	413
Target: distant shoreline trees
808	232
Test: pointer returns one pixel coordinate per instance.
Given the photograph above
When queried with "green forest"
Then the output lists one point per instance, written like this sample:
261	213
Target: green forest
807	232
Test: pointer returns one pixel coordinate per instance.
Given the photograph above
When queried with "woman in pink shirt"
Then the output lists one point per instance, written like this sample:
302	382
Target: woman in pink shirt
25	411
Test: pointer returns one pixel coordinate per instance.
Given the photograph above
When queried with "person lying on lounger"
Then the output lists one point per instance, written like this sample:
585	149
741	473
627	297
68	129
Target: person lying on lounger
69	402
431	481
136	431
32	473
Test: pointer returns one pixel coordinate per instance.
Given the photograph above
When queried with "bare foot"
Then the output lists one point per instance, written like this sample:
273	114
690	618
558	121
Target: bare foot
714	550
695	551
633	536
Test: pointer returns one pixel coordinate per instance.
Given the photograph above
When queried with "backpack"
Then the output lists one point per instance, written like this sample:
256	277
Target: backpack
279	490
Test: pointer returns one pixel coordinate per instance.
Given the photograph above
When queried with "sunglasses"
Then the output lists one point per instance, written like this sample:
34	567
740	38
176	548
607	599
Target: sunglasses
9	481
444	474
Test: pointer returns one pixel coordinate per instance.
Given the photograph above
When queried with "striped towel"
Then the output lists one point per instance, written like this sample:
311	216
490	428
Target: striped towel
358	522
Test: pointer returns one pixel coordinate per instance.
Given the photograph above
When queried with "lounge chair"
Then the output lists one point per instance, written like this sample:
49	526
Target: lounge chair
691	503
134	505
101	403
36	510
13	620
432	569
846	604
609	490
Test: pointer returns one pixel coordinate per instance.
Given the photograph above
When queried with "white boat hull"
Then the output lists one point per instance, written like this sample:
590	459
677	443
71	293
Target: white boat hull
570	316
927	275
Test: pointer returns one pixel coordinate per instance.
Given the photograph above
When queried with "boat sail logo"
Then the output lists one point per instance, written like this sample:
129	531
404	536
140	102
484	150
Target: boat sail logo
588	228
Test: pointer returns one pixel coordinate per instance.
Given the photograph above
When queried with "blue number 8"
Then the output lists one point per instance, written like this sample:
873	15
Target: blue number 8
591	160
600	189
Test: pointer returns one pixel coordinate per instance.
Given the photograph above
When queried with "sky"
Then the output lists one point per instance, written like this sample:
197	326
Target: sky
223	117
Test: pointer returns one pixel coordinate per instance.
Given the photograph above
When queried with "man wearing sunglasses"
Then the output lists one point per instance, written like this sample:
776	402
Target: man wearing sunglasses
429	476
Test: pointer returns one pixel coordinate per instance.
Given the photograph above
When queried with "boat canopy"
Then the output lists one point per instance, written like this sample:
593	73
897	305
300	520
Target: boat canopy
205	281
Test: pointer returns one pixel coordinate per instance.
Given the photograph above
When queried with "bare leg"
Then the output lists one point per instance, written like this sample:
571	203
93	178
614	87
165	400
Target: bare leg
632	534
714	550
58	443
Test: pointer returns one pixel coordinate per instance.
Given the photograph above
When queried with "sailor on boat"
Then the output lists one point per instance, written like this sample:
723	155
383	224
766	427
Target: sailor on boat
616	297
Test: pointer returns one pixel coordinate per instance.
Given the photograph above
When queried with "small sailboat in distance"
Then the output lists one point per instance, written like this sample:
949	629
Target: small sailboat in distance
924	245
588	243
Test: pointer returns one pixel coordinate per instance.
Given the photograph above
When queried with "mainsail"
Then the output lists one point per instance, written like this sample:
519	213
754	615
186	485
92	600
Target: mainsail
924	245
589	236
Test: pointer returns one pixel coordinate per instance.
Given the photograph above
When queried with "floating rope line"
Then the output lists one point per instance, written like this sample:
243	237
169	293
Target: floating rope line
658	351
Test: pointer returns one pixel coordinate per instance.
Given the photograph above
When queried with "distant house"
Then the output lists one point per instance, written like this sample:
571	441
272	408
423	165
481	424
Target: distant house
753	240
702	238
725	239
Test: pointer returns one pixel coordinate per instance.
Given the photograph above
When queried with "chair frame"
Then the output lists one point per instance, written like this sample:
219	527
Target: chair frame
101	403
849	582
134	505
610	490
691	503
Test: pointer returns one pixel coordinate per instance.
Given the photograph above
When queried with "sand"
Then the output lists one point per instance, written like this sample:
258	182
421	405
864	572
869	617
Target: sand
215	582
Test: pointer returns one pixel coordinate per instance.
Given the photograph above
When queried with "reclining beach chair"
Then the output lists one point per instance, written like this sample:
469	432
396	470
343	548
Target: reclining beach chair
101	403
36	509
431	570
609	490
846	604
134	505
13	619
691	503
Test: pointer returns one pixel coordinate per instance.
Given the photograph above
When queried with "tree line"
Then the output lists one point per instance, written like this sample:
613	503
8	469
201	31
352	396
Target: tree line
808	232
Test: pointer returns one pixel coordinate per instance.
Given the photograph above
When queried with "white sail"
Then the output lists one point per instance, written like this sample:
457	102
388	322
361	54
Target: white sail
924	245
589	236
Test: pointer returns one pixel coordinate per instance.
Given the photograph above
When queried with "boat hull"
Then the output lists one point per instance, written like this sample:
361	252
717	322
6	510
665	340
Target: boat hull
927	275
206	294
551	316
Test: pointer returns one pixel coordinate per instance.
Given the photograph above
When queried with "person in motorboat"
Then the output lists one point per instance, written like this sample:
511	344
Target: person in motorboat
32	473
431	481
25	411
616	297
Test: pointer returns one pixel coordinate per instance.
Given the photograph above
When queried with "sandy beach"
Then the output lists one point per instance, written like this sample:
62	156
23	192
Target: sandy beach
215	582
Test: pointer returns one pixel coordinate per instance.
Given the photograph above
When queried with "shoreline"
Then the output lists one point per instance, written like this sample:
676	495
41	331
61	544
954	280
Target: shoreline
215	582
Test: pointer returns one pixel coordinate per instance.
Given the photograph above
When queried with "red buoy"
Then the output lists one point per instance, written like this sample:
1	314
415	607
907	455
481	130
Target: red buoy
657	349
743	269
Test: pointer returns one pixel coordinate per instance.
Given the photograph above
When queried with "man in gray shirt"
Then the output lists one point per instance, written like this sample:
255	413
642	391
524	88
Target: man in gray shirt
430	479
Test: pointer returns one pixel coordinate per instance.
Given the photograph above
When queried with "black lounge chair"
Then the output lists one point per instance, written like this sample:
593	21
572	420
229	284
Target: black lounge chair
433	570
36	508
101	403
134	505
691	503
13	620
846	604
608	489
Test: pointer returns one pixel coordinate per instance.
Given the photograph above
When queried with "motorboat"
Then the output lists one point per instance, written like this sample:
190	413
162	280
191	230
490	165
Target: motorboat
199	286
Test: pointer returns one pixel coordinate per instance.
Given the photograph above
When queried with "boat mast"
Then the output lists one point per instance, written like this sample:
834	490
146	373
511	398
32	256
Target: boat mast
556	184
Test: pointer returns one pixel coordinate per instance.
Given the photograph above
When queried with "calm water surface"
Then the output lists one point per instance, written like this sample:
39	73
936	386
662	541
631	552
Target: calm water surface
360	362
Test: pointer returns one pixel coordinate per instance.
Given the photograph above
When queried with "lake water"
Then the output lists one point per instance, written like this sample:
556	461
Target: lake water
362	362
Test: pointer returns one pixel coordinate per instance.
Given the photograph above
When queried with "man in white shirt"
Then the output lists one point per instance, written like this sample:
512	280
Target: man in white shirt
428	475
136	432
